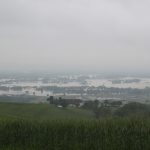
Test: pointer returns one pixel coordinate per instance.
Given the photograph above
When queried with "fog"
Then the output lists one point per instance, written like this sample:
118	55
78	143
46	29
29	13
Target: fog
101	35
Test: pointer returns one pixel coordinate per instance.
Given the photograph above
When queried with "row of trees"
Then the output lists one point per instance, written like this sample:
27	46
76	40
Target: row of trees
130	109
58	101
116	108
106	108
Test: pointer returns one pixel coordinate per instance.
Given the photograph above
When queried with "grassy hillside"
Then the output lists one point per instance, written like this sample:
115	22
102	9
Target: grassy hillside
45	127
41	112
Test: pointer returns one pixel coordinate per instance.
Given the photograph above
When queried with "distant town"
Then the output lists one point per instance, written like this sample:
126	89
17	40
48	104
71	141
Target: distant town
37	87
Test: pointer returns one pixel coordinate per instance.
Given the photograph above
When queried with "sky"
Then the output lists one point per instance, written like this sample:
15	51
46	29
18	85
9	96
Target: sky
100	35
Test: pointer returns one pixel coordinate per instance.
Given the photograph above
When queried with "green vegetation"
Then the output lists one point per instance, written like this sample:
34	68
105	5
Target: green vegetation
46	127
41	112
133	109
106	134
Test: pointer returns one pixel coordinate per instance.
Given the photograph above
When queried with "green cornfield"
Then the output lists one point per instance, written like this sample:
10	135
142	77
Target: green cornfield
105	134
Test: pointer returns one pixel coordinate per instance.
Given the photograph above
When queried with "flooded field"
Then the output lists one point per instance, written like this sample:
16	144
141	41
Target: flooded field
14	86
140	83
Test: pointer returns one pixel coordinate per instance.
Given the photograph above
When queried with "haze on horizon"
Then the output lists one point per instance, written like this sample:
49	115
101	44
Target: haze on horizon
75	34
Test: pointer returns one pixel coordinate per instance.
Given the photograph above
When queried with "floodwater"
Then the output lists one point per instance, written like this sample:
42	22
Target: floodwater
143	83
29	87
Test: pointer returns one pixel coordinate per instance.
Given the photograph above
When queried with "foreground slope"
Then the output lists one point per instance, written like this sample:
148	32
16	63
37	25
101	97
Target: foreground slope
45	127
41	112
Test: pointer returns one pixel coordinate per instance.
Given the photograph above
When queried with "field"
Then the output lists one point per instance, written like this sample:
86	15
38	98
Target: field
44	127
41	112
116	134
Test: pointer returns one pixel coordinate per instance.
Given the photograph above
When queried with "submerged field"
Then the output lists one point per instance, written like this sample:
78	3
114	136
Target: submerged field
45	127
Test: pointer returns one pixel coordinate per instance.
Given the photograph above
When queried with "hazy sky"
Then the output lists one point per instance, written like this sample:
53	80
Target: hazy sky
75	34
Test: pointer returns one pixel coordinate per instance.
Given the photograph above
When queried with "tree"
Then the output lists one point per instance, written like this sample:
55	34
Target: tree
51	99
102	112
91	104
63	102
133	109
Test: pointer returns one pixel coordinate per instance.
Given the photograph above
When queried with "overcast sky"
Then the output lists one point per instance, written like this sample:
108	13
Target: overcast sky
75	34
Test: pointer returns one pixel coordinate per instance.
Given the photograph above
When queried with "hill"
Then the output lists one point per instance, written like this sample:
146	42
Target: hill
44	126
41	112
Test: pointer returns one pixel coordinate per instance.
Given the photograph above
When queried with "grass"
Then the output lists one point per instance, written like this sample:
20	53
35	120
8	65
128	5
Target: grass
45	127
41	112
